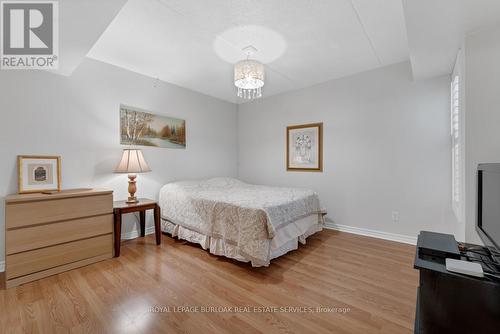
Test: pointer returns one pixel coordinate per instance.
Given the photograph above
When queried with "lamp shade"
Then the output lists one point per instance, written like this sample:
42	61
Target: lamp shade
132	162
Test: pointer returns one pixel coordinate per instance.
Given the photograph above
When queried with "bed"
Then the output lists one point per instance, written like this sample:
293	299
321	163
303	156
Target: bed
245	222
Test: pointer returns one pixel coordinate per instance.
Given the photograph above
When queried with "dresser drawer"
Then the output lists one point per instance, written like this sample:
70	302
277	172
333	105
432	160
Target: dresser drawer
24	239
40	259
38	212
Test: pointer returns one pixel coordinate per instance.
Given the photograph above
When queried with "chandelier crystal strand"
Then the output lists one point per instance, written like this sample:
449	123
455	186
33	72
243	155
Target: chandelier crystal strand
249	79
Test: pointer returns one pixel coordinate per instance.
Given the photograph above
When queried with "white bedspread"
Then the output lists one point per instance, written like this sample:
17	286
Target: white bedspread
241	214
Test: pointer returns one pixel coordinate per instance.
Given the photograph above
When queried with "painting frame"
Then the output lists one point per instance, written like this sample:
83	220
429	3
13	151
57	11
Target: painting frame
140	127
49	180
318	148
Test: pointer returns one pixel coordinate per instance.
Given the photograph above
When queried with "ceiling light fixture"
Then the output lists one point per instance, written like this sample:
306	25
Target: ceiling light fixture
249	76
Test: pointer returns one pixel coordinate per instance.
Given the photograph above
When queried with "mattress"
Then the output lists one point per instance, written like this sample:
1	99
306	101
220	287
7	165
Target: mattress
239	220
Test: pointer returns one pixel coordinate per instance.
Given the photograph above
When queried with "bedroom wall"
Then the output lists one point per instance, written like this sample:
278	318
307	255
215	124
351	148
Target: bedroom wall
482	134
77	117
386	148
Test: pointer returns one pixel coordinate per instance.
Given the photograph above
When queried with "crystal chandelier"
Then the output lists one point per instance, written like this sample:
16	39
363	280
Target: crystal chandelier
249	76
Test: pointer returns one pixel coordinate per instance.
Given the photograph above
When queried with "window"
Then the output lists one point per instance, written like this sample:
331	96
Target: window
456	145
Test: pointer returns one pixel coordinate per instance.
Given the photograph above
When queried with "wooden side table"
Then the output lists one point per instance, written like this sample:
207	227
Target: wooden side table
144	204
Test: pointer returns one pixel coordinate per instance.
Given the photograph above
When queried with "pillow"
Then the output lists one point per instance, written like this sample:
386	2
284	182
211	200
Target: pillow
223	182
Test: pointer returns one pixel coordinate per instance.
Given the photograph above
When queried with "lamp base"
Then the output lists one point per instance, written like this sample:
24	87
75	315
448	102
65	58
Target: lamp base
132	188
132	200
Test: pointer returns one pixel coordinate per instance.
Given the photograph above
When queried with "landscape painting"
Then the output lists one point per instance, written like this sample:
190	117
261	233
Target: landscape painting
139	127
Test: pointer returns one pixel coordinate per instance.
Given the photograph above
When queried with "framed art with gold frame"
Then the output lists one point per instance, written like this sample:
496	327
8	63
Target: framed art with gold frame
38	174
304	148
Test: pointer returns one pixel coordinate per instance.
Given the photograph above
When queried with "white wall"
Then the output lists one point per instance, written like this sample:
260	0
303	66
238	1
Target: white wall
77	117
386	141
482	113
387	147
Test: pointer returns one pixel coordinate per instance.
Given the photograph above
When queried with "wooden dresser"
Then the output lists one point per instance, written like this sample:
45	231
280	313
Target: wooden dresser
49	234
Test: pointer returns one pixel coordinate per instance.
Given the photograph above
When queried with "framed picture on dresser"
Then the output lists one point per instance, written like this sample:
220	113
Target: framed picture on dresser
38	174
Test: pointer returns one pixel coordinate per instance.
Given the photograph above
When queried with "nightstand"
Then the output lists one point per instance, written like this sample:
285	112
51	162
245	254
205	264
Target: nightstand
144	204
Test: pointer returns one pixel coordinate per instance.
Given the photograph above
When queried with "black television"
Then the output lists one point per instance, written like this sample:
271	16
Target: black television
488	207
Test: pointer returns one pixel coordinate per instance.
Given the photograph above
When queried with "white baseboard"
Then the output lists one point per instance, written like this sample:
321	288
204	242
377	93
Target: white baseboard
137	233
343	228
372	233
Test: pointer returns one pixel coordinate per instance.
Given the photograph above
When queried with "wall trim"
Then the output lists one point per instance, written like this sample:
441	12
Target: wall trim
372	233
136	233
338	227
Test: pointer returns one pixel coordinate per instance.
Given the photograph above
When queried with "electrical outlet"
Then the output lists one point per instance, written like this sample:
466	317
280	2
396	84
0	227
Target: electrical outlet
395	216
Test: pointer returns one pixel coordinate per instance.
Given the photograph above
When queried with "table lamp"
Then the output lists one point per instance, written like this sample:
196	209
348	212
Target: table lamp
132	162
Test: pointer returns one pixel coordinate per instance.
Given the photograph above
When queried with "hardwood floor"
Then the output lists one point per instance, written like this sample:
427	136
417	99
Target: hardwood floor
372	279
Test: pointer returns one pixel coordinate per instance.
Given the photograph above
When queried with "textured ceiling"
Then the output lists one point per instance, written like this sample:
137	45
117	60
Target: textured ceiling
194	43
76	35
436	30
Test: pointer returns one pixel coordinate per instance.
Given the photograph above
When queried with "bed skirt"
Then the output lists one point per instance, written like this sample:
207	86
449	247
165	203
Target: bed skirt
286	239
